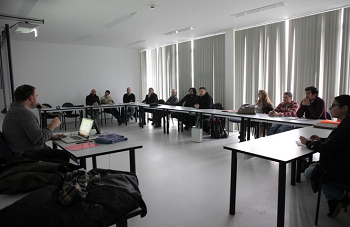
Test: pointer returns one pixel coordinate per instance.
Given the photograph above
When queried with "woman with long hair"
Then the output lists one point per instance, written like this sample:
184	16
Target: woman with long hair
264	104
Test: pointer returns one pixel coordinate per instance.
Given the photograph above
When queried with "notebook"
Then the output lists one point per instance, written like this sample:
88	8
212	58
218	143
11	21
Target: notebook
83	134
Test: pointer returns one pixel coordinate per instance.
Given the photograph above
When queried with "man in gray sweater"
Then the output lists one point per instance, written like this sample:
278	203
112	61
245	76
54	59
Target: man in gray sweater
20	127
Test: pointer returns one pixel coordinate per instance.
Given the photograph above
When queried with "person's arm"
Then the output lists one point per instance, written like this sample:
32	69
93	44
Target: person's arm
32	129
87	101
316	110
98	100
301	110
103	99
145	100
154	98
292	112
183	100
268	108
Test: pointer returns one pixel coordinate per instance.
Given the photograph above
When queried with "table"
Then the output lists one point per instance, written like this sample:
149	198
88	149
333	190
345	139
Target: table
104	149
270	148
61	109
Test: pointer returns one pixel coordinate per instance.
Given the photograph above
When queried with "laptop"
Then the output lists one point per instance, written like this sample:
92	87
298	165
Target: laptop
83	134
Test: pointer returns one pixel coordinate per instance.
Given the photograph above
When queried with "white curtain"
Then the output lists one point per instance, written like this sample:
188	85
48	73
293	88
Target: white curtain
209	65
185	68
344	86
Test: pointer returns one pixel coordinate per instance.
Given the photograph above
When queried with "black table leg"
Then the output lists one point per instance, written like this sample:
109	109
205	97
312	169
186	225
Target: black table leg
258	130
44	121
83	162
242	131
281	194
125	114
248	132
167	121
132	161
94	163
182	122
164	123
233	183
298	174
293	172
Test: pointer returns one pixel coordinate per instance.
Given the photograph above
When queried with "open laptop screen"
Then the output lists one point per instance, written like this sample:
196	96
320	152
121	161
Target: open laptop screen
85	127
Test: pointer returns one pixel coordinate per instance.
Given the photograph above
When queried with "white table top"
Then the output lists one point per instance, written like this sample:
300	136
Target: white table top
279	147
100	150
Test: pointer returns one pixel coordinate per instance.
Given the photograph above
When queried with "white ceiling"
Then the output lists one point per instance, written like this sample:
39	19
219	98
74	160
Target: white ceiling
68	20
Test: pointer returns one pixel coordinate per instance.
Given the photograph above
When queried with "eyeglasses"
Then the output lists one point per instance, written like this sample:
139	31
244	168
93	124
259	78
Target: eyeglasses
334	105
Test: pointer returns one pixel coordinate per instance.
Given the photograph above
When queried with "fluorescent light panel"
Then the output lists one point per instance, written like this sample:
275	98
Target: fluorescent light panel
119	20
137	42
179	30
260	9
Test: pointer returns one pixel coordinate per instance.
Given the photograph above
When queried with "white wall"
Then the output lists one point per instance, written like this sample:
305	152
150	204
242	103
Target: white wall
67	73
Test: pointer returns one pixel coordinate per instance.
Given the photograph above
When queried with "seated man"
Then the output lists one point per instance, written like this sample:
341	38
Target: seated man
93	100
107	99
287	108
129	97
205	101
151	97
21	129
312	106
157	116
334	158
189	101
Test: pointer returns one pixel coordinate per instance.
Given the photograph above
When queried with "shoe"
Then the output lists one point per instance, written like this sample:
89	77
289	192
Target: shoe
157	125
131	118
335	206
150	119
120	122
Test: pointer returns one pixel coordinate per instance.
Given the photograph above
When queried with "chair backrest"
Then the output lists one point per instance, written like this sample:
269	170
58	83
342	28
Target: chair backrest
48	105
5	152
68	104
218	106
328	115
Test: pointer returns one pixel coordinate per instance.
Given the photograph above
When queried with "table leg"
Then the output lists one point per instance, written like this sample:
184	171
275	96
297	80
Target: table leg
164	123
258	130
94	163
83	162
298	174
125	115
132	161
293	171
248	132
182	122
281	194
242	131
228	127
167	121
233	183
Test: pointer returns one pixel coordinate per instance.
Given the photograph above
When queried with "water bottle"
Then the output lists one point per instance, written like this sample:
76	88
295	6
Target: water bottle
137	100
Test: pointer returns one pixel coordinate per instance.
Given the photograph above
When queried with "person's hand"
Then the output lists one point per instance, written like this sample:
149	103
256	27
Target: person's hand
274	114
144	102
271	113
54	123
58	136
303	140
196	106
95	104
306	102
315	137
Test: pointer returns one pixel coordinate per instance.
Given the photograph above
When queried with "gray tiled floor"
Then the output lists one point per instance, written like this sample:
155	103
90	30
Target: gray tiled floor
187	184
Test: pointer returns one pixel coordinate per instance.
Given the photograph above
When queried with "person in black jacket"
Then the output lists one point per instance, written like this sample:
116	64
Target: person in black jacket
189	101
205	101
127	98
151	97
334	153
93	100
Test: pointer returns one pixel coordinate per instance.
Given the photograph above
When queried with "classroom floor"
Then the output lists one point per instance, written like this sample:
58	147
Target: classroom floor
187	184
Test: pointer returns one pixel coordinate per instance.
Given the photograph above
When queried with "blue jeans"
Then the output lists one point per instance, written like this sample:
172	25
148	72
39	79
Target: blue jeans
130	110
330	191
277	128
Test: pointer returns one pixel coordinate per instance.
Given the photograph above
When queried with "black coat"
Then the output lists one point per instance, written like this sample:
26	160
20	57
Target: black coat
128	98
205	102
334	150
91	99
152	99
188	101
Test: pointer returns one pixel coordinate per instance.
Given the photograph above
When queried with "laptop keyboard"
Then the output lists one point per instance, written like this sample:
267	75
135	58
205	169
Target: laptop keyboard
76	137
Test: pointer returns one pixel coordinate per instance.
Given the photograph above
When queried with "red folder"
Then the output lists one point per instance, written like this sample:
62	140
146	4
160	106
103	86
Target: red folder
82	146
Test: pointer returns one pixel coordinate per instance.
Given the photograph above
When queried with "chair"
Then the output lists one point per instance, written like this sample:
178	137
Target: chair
48	116
104	113
69	114
329	177
5	152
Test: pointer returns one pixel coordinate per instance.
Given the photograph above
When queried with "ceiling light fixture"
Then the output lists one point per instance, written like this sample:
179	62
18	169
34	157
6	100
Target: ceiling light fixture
260	9
137	42
177	31
119	20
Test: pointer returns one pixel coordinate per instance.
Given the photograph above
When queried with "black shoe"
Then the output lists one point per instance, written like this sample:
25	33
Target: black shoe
334	207
120	122
150	119
157	125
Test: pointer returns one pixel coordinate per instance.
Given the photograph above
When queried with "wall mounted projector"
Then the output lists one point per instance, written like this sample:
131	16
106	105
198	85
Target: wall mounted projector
25	27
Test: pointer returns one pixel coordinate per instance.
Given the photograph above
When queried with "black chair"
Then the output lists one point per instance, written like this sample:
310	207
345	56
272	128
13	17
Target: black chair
69	114
104	112
5	152
333	177
49	116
